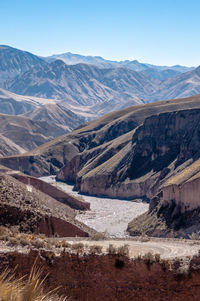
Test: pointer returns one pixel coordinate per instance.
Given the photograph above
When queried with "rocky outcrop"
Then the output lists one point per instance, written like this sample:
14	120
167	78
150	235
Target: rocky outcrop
35	212
175	211
159	148
51	226
109	277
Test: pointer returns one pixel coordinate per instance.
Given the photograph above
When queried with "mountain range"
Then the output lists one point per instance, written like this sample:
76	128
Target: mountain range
67	90
93	82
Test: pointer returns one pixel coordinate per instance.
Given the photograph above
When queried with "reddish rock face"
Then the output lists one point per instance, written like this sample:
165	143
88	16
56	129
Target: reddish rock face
30	222
51	225
108	277
52	191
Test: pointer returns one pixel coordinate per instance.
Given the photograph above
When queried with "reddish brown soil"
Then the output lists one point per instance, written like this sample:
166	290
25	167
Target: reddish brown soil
109	277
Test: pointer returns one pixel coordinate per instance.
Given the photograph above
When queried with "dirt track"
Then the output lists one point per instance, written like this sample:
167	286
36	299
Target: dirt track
166	248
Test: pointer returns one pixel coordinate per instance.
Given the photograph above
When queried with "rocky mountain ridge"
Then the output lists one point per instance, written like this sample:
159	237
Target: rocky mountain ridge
93	81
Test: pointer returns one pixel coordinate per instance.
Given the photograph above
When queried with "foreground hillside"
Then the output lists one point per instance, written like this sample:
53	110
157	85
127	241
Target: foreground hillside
31	209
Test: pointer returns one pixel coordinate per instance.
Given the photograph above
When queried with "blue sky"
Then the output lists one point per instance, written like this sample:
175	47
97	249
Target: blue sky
163	32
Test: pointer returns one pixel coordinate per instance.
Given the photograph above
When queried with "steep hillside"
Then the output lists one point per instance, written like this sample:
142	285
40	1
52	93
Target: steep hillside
14	62
87	85
184	85
175	211
19	134
14	104
34	211
161	74
56	114
102	152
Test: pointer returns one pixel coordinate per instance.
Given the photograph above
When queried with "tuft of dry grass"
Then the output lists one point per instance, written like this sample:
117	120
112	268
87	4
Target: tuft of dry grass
98	236
31	289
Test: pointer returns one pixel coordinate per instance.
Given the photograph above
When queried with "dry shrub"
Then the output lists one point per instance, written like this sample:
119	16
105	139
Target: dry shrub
24	241
38	243
123	250
79	247
157	257
29	290
111	250
98	236
12	241
144	238
58	244
66	244
149	258
4	231
95	249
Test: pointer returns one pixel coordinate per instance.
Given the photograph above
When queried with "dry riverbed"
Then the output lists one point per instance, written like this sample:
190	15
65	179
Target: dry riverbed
106	215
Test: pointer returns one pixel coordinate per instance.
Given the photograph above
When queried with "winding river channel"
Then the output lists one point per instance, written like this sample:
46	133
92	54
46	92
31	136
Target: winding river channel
106	215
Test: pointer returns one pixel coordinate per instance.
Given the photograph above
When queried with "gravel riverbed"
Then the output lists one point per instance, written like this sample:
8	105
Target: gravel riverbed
106	215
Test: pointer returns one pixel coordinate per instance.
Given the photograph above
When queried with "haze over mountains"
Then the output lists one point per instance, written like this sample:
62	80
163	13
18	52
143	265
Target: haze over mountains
102	85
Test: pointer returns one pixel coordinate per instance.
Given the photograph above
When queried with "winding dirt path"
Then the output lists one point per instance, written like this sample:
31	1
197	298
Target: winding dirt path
167	249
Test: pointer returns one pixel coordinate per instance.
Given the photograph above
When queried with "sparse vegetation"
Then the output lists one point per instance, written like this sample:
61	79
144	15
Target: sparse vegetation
144	238
98	236
95	249
195	236
123	250
111	250
148	258
30	290
79	247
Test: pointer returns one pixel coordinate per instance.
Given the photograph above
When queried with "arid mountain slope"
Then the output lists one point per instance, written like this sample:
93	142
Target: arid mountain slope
19	134
90	81
33	211
100	156
72	59
81	84
56	114
184	85
14	104
14	62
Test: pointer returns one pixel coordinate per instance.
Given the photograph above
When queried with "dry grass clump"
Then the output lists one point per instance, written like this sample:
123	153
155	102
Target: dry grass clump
4	231
31	289
195	236
123	250
98	236
144	238
111	250
78	247
95	249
